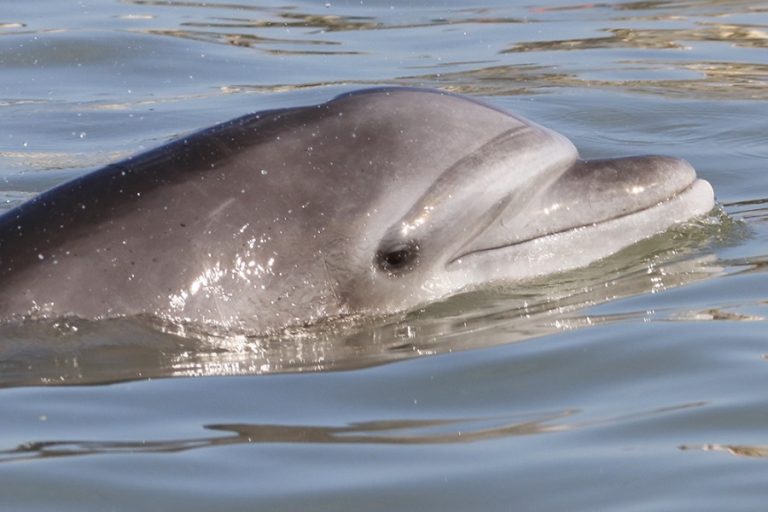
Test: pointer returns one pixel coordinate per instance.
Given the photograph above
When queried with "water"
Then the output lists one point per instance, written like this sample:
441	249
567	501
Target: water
636	384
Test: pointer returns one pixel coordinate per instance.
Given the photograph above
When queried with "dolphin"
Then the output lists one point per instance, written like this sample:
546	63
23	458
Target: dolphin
374	202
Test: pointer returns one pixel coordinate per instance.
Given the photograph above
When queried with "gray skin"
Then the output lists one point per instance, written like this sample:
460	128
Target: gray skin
374	202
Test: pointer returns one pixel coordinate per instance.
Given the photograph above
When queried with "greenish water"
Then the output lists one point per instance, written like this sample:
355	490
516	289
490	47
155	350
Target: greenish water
636	384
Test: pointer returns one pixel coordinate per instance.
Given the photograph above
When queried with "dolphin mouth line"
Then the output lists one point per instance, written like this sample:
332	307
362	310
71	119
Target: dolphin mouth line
678	195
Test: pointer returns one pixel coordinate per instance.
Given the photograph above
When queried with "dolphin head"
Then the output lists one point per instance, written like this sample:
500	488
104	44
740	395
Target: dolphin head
506	200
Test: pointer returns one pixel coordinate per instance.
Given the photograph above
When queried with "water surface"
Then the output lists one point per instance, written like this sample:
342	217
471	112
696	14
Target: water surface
635	384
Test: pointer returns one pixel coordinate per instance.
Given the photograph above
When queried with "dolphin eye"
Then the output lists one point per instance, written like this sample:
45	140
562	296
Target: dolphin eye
398	258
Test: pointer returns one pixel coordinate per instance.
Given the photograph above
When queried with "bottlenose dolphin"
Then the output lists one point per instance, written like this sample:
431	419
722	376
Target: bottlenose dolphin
374	202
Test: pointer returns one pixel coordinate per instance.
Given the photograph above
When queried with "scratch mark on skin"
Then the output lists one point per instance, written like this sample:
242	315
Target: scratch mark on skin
223	206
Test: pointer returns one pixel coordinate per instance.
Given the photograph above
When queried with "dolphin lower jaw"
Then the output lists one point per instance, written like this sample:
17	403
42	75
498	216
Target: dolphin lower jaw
580	245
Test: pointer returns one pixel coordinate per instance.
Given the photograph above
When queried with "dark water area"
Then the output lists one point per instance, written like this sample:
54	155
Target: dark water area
638	383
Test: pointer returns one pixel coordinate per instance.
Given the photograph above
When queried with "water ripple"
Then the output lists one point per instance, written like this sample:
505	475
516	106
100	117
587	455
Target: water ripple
404	432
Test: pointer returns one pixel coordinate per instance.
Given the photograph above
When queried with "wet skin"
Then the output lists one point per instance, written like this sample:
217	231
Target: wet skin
374	202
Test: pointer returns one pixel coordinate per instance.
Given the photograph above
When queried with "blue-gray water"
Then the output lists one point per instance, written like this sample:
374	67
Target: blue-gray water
638	384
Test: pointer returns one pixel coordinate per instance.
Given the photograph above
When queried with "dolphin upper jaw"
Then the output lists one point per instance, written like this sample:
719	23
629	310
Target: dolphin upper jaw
608	203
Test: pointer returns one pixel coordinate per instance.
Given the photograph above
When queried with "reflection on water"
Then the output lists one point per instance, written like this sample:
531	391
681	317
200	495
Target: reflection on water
384	432
249	40
673	37
725	80
732	449
741	35
421	432
751	210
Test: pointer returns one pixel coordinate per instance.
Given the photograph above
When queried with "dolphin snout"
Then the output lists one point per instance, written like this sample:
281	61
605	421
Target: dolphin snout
592	192
599	190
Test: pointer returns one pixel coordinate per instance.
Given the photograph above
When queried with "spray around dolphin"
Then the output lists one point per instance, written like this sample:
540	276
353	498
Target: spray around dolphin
374	202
